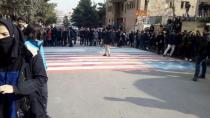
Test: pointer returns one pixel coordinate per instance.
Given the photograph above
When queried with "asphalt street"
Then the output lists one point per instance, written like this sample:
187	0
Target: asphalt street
130	84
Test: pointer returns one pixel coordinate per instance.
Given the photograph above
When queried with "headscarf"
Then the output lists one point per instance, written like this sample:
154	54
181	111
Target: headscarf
13	45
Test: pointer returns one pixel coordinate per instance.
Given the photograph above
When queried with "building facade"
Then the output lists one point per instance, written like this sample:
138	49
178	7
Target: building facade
126	13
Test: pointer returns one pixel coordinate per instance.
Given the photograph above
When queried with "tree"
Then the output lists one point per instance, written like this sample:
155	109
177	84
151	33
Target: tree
32	10
101	13
66	22
85	14
46	13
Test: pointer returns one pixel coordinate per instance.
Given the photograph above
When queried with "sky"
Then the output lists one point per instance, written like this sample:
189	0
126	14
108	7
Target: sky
67	5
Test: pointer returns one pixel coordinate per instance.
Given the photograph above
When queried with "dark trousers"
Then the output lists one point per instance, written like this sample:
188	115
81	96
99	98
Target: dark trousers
200	62
160	48
81	41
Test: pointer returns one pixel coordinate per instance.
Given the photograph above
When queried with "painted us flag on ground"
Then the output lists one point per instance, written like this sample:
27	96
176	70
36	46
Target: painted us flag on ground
90	58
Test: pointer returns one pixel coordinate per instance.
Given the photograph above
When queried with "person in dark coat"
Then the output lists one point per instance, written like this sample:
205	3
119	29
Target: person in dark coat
117	40
22	76
65	36
100	36
131	39
107	42
91	36
202	56
171	43
143	39
137	39
59	36
81	35
160	42
54	36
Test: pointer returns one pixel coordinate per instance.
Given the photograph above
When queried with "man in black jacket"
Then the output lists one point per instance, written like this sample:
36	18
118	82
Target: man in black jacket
202	56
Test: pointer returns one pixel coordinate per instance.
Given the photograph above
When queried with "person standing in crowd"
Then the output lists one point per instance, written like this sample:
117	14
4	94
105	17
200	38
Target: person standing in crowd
131	39
113	36
137	39
179	52
82	37
187	41
54	36
73	35
143	39
22	74
91	36
34	41
70	37
171	44
49	37
117	40
59	37
202	56
34	34
160	42
21	23
123	39
65	37
86	36
107	42
96	37
100	36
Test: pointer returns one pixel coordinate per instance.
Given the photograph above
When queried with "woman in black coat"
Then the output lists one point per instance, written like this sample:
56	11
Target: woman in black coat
22	76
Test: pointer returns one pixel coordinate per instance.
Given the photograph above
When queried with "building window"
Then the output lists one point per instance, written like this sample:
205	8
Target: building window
130	5
182	4
146	5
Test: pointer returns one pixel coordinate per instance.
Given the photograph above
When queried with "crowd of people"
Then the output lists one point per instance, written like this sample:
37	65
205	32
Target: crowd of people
168	40
23	78
54	36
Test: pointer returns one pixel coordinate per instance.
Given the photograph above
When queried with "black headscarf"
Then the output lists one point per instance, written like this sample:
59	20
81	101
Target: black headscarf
14	44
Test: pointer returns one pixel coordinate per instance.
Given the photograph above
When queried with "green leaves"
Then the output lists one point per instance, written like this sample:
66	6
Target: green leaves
32	10
87	15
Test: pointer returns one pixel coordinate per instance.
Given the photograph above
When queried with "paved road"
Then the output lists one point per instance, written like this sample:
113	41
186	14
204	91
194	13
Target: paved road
129	84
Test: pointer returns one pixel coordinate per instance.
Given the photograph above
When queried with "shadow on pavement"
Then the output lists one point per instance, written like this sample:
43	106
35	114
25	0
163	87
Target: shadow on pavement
172	94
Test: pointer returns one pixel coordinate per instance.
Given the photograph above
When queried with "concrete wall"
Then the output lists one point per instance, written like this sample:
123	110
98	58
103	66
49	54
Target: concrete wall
192	26
158	8
181	11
